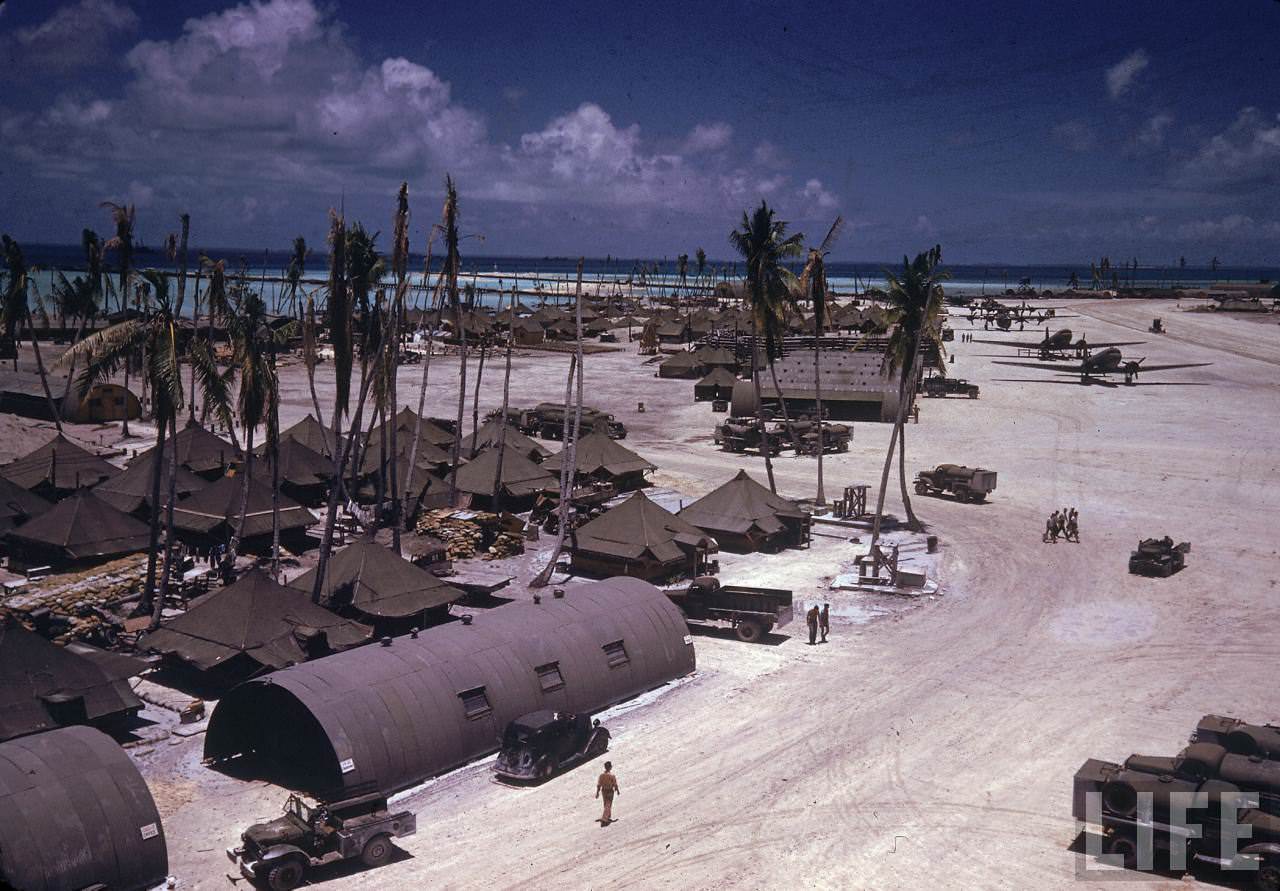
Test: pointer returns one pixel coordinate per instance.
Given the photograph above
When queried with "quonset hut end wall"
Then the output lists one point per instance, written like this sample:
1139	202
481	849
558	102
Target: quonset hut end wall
75	813
396	715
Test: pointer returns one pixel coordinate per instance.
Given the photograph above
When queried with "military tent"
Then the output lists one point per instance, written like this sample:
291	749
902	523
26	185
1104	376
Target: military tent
211	515
130	490
17	505
488	437
250	625
304	473
745	516
57	468
605	460
640	539
716	357
682	365
200	451
718	384
521	479
311	434
78	530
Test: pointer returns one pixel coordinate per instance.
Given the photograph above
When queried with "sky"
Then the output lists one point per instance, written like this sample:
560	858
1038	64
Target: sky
1010	132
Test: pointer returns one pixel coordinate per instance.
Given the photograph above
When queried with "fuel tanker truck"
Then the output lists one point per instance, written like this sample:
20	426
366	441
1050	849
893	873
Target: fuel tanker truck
963	483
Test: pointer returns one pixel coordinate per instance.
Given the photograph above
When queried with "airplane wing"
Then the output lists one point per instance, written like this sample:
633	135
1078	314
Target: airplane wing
1143	369
1043	366
1114	343
1018	344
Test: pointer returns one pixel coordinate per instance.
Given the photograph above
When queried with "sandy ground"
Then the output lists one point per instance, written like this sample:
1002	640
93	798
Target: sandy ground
935	745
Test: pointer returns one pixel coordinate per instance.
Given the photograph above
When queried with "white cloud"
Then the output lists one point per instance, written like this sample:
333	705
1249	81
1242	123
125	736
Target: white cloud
76	36
1153	132
816	195
1245	155
924	226
708	137
1120	76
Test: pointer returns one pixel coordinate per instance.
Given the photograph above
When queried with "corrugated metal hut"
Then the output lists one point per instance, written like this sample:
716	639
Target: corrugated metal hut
211	515
250	625
17	505
130	491
57	468
605	460
77	531
744	516
682	365
77	814
396	715
371	584
640	539
718	384
43	685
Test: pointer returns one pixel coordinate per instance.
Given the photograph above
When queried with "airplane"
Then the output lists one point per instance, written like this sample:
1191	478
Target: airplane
1095	367
1055	346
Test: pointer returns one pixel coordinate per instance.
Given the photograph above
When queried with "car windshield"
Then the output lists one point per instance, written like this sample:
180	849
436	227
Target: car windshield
296	808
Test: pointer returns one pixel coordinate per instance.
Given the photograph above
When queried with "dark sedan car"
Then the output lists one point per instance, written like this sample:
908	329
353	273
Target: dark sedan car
538	744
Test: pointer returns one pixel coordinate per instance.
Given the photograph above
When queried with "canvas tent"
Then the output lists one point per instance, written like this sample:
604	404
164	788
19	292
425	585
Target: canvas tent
716	357
488	436
681	365
130	490
17	505
311	434
640	539
304	473
605	460
521	479
78	530
213	514
745	516
369	583
250	625
43	685
57	468
200	451
718	384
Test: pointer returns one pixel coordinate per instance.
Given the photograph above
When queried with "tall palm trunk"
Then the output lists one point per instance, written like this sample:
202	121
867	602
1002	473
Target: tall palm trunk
821	497
146	606
393	337
569	454
426	371
782	406
456	456
764	434
54	408
475	399
506	402
169	538
273	455
229	558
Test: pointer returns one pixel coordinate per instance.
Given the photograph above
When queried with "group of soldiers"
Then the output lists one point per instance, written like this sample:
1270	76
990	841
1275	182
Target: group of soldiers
1063	523
818	620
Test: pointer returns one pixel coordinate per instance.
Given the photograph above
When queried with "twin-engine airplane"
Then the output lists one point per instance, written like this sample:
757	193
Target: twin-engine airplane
1058	345
1094	368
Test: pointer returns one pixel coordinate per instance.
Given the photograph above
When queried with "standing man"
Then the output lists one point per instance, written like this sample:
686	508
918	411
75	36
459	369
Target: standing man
607	786
824	621
811	618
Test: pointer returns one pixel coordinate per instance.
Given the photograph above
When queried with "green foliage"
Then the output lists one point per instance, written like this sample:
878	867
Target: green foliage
915	305
764	244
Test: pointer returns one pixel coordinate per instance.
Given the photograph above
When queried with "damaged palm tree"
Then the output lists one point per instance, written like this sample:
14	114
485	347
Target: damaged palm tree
813	282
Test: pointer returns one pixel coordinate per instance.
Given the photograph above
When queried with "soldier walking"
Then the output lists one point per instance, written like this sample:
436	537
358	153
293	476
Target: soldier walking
811	618
1051	529
607	786
1073	526
824	621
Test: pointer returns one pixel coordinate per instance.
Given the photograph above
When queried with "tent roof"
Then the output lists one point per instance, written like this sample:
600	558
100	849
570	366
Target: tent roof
638	526
257	617
715	356
407	419
682	360
740	505
131	489
59	463
35	673
219	503
199	449
520	476
378	583
489	434
309	432
84	527
718	377
597	452
300	465
18	503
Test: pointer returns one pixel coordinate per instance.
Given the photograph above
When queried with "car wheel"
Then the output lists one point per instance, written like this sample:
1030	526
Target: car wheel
285	876
377	851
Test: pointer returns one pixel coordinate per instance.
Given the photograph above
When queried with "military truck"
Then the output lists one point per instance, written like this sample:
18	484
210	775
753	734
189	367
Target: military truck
835	437
938	387
278	853
1159	557
743	434
1239	736
964	483
750	612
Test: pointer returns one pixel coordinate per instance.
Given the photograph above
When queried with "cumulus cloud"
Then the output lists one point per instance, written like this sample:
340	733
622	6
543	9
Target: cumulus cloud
1245	155
270	99
74	37
1120	76
1154	130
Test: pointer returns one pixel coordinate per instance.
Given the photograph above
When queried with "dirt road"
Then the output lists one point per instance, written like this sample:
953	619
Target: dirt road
936	747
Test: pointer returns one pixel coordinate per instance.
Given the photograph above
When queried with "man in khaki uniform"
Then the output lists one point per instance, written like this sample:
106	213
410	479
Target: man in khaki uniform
607	786
824	621
811	619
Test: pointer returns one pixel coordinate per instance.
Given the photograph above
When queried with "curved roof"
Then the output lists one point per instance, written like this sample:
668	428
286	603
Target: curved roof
219	503
739	506
598	453
76	813
256	617
59	463
83	527
638	526
37	678
376	582
395	715
131	489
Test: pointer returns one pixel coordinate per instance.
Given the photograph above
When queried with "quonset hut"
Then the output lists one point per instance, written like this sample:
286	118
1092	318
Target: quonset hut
402	712
77	814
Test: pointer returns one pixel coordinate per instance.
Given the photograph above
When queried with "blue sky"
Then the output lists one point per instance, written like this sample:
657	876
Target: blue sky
1009	132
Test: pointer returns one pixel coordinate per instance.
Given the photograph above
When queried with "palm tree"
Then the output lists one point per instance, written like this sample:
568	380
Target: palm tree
763	243
700	257
452	262
155	337
915	301
813	282
297	264
433	312
569	462
16	311
122	217
506	400
400	268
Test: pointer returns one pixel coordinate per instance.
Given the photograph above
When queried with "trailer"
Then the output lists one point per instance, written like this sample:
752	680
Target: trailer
751	612
971	484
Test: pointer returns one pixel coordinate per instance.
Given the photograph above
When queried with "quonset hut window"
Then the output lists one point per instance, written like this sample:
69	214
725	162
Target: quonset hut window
549	676
475	703
616	653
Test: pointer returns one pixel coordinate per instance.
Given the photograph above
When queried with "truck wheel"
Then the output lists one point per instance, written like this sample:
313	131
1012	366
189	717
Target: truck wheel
547	769
286	876
922	489
377	851
749	631
1124	846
